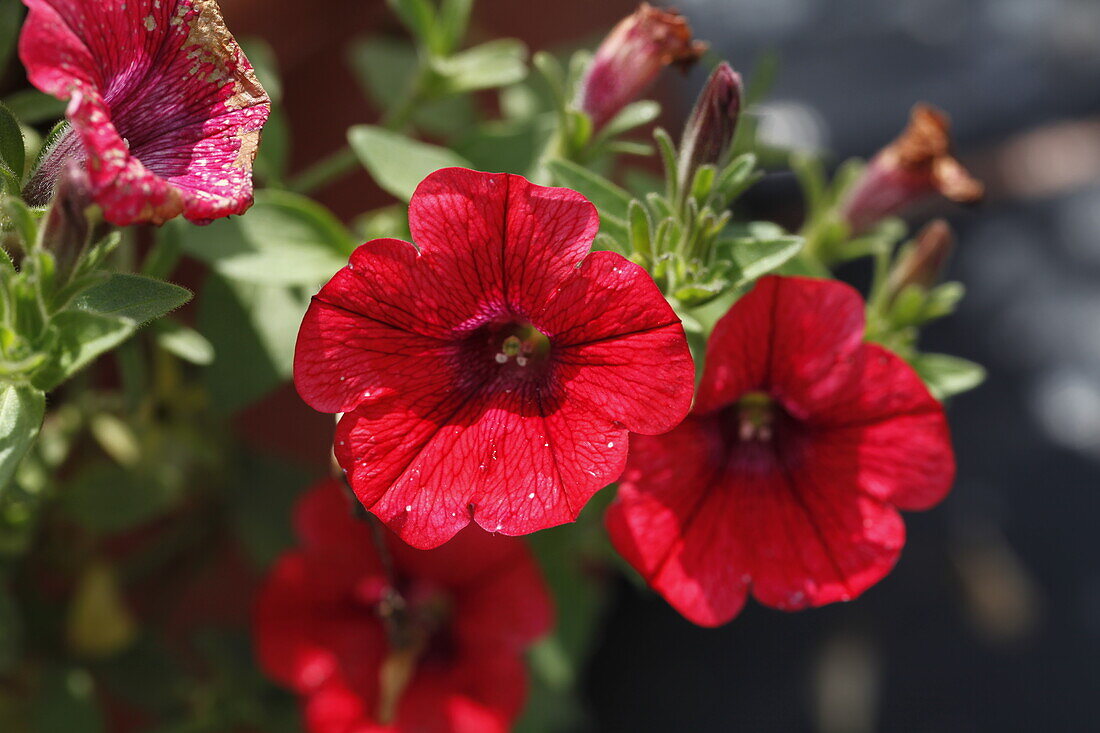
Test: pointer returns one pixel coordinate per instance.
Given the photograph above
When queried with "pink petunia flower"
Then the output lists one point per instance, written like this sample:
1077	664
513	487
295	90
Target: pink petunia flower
410	640
165	109
491	372
784	479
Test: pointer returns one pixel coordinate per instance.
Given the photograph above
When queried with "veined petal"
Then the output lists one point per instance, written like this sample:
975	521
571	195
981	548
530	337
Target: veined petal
792	337
623	354
497	240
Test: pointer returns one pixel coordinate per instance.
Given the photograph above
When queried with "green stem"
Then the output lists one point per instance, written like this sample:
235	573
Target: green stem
327	170
876	299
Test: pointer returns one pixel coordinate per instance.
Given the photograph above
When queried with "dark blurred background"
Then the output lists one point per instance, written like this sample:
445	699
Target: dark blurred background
991	621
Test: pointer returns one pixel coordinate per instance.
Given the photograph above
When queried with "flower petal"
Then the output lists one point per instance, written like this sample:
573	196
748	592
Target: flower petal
358	340
498	240
791	336
893	429
427	465
618	346
664	524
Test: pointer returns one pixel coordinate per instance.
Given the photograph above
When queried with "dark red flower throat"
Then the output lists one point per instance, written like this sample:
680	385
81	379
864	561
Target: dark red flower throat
511	348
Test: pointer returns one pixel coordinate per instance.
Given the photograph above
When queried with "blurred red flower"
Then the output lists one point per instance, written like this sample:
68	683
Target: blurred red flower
493	373
439	649
165	109
785	477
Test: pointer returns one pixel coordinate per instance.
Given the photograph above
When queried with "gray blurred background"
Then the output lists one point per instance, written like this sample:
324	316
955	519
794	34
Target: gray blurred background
991	621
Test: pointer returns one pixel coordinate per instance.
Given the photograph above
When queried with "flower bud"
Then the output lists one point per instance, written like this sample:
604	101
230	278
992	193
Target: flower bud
923	260
918	163
709	131
631	57
66	230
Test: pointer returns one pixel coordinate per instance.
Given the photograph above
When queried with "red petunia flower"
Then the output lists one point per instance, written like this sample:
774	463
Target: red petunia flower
785	478
441	651
494	373
165	109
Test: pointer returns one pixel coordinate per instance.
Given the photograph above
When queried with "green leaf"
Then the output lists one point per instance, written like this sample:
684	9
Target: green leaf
632	116
608	198
186	343
947	375
943	299
384	67
82	336
501	146
109	498
759	257
12	153
252	329
22	220
21	410
641	228
418	16
132	298
490	65
736	177
285	238
454	19
66	703
273	157
34	107
552	72
397	163
11	17
668	163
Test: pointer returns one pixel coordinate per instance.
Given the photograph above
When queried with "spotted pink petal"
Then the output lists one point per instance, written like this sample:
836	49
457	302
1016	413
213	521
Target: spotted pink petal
165	105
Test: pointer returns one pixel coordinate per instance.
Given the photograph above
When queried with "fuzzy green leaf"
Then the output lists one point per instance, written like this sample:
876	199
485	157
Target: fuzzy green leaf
21	410
132	298
12	151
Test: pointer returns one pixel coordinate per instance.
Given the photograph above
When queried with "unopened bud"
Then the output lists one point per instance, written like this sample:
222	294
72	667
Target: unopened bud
66	230
918	163
631	57
923	260
708	134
